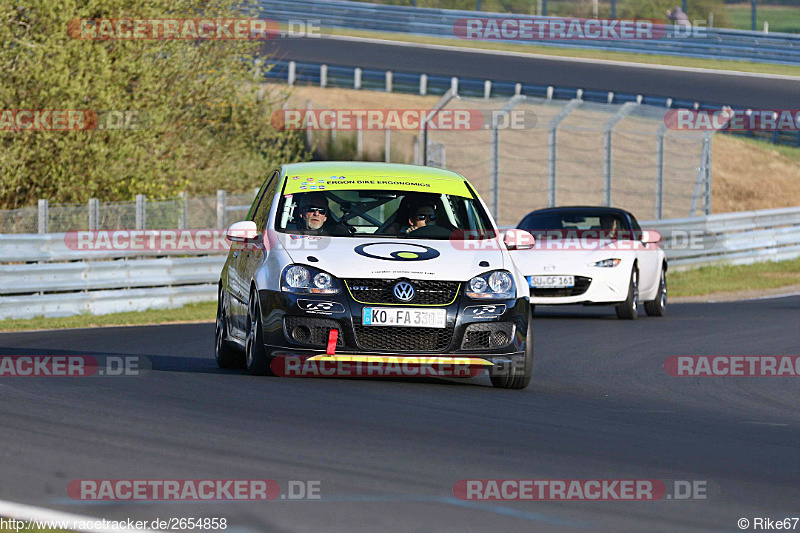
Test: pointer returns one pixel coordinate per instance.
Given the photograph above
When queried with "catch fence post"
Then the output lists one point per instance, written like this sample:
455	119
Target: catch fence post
222	202
44	216
94	214
141	211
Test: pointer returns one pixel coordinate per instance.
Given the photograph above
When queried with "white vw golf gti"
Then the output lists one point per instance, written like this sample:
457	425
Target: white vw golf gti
366	261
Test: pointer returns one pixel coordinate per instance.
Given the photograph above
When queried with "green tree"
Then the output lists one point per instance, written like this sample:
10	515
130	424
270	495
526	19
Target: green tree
202	122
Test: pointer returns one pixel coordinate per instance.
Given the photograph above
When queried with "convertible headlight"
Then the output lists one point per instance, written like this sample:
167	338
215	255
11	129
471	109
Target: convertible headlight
301	279
497	285
608	262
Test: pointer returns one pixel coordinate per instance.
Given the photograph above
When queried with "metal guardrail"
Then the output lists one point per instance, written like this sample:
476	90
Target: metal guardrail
104	302
98	275
99	286
28	247
52	279
711	43
731	238
419	83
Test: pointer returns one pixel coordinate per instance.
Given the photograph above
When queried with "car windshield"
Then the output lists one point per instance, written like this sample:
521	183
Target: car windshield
363	207
570	224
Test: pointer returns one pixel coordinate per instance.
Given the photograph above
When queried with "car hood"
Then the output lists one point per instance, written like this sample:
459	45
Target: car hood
565	258
364	257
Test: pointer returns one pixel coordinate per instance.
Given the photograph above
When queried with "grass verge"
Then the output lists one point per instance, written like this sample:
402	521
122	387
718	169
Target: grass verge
678	61
199	312
780	18
734	278
744	279
791	153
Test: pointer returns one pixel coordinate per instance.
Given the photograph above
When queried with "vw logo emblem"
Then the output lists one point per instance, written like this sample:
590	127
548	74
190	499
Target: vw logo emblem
549	268
404	291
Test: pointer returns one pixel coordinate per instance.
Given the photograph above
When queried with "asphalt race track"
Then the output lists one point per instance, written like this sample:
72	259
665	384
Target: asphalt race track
737	90
388	452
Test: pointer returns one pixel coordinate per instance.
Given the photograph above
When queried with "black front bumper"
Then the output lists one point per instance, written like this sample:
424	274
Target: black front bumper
300	325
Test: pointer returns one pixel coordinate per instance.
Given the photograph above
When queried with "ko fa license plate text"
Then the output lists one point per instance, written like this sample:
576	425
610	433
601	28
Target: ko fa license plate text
402	316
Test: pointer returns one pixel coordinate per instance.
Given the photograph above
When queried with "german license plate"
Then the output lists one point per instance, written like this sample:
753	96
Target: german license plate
539	282
404	316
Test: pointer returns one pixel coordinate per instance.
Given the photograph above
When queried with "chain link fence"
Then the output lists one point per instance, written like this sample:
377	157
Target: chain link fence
580	153
528	153
521	154
180	212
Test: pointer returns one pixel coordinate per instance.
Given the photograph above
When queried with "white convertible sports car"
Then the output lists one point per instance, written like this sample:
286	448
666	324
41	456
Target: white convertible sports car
593	256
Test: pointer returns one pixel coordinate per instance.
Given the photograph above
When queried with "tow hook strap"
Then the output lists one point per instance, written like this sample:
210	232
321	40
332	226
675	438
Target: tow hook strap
333	336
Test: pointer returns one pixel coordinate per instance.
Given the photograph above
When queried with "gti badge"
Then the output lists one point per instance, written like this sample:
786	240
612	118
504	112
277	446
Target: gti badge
404	291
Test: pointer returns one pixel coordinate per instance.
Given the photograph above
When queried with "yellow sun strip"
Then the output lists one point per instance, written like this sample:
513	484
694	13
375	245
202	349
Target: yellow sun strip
378	183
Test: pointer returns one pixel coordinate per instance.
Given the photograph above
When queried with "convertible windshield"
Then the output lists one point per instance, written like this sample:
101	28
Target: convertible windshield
571	224
355	209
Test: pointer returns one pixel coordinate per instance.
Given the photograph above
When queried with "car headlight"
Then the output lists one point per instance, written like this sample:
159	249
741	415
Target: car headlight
605	263
306	280
479	285
494	285
500	282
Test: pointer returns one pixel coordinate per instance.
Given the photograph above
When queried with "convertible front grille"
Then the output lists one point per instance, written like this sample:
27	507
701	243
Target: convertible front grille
380	291
581	285
403	339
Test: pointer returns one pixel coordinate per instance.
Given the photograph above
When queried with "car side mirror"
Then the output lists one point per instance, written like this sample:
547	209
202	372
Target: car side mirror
244	231
518	239
650	236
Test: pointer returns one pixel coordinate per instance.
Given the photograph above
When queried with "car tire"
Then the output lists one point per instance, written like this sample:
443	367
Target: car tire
658	307
629	309
225	353
255	354
516	377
